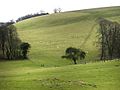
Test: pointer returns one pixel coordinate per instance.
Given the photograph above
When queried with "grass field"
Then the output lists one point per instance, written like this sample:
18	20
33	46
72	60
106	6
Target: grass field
49	36
91	76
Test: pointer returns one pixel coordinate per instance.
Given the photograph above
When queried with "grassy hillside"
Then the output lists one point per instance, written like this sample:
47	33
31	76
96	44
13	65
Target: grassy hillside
49	36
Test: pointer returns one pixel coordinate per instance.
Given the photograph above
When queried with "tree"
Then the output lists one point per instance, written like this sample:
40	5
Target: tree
11	47
3	33
56	10
74	54
109	39
59	10
9	41
24	49
12	43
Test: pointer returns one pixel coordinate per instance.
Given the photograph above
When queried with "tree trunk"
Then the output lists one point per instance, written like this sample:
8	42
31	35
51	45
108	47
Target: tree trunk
75	62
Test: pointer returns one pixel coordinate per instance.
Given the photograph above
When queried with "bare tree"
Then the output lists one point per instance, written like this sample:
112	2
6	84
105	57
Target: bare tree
59	10
55	10
109	37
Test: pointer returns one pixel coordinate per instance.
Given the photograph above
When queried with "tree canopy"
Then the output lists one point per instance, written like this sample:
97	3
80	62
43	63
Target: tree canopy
74	54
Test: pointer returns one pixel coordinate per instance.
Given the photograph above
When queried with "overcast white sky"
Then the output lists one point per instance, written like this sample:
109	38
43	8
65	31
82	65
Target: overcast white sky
12	9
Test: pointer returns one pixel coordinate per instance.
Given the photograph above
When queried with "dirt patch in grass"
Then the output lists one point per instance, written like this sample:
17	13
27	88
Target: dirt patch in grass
59	83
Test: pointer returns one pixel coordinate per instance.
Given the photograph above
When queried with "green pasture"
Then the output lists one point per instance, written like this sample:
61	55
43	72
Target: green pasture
49	36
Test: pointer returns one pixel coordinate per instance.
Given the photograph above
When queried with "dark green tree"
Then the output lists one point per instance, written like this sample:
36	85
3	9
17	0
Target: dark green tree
74	54
9	41
3	33
24	49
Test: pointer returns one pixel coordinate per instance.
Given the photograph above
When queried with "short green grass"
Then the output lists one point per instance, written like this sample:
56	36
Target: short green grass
49	36
91	76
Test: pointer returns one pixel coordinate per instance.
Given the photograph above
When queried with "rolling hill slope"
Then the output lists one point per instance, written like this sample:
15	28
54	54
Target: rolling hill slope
50	35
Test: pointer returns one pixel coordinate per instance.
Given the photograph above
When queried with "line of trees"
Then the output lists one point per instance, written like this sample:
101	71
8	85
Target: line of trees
109	39
10	43
30	16
57	10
